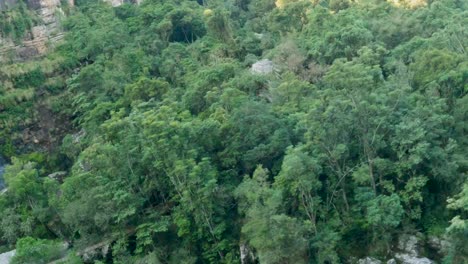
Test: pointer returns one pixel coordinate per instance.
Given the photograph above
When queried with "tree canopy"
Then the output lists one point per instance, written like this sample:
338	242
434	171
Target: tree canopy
146	132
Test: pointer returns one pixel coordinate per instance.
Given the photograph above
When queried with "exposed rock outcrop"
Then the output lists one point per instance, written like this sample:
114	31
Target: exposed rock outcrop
5	258
262	67
369	260
120	2
408	259
441	245
408	244
41	36
58	176
115	2
410	251
246	254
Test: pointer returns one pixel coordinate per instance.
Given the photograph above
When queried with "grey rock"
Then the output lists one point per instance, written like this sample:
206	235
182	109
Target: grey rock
97	250
6	257
78	136
246	254
57	175
115	2
408	259
258	35
369	260
262	67
409	251
41	36
440	244
391	261
409	245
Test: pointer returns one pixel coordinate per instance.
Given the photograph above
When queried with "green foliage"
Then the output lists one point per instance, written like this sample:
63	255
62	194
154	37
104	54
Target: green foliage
176	152
16	22
23	180
277	237
458	228
385	211
30	250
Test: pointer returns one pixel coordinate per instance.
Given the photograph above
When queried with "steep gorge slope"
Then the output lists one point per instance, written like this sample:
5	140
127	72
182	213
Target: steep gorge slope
43	32
236	131
39	34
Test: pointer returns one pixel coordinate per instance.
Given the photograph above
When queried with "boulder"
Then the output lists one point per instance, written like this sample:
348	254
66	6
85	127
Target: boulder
408	259
409	251
246	254
408	244
369	260
262	67
5	258
77	137
439	244
58	176
258	35
115	2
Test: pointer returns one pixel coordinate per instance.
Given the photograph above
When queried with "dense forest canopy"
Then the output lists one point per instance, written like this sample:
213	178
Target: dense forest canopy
238	131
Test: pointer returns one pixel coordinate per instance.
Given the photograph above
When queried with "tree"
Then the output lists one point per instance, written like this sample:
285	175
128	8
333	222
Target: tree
276	237
256	136
299	178
30	250
176	152
458	228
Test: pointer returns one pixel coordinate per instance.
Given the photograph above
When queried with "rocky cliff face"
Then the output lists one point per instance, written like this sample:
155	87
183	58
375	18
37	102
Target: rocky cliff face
41	36
7	4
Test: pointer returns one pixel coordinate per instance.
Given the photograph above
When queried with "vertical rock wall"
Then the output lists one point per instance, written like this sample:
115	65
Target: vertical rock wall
48	32
37	40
